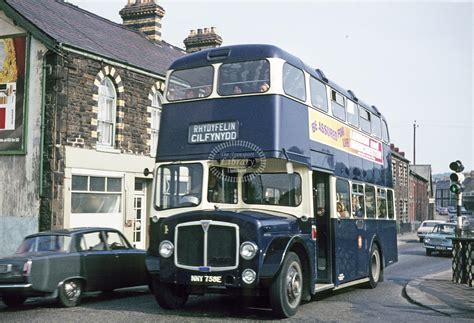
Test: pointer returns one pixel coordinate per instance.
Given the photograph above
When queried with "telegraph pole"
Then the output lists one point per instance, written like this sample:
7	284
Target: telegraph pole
415	125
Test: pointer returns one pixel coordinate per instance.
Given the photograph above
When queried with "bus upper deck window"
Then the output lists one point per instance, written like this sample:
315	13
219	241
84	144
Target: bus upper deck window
190	84
364	119
338	104
376	126
352	113
293	82
385	136
319	97
244	77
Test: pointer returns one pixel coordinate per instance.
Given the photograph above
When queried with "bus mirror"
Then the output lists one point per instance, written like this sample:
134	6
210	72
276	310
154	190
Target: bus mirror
146	172
289	168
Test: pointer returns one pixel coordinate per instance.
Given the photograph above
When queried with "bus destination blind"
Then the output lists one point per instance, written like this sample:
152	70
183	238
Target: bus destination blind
213	132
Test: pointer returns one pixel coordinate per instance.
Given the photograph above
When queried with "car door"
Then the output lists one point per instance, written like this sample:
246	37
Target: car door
131	265
100	265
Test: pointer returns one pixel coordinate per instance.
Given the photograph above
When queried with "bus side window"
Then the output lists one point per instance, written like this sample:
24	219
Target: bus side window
358	208
370	201
391	209
318	94
342	198
382	203
293	82
385	135
352	113
338	105
364	119
376	126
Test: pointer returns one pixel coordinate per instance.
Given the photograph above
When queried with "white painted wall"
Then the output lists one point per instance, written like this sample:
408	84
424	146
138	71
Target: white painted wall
100	163
19	174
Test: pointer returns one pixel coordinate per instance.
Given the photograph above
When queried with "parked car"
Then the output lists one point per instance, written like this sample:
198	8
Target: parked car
426	227
439	239
443	211
66	263
452	213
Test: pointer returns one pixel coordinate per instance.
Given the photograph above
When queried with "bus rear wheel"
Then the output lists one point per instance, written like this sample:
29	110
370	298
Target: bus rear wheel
287	288
375	265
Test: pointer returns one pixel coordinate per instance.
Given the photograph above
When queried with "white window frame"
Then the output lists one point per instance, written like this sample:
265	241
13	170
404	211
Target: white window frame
107	100
156	104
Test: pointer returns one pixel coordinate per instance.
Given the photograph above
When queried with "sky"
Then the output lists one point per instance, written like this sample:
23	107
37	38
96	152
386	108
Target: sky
412	60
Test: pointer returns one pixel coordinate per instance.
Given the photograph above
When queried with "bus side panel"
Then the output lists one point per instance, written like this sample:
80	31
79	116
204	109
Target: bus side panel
387	234
350	261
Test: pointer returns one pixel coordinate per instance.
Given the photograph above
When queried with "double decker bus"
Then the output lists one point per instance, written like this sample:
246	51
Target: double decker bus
270	180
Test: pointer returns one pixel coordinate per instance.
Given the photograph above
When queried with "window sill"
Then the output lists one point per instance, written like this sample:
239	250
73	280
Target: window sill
106	149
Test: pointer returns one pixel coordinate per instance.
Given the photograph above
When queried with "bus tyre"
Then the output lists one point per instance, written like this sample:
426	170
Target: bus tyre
170	296
12	300
287	288
70	293
374	267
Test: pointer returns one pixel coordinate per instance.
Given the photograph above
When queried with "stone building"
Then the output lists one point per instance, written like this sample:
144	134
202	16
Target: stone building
445	198
80	100
400	183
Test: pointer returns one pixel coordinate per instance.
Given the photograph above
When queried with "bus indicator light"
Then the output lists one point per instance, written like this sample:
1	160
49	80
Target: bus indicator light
359	241
314	232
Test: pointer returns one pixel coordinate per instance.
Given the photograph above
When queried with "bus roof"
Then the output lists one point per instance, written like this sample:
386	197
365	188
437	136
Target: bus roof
238	53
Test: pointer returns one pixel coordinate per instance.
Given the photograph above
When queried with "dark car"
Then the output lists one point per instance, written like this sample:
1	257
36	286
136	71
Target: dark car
439	240
66	263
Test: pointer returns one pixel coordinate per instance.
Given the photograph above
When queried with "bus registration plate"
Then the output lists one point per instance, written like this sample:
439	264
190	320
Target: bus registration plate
206	279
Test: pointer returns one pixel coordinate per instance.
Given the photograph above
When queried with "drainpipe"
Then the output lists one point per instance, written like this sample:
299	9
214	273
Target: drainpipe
42	126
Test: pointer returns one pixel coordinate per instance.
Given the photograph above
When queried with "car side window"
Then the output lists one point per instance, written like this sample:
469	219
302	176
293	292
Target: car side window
79	244
115	241
93	241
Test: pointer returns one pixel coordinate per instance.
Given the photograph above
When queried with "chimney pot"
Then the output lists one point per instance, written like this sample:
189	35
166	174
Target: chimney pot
203	38
143	16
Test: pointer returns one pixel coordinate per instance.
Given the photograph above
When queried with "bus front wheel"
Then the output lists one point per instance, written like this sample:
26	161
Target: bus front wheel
170	296
287	288
375	265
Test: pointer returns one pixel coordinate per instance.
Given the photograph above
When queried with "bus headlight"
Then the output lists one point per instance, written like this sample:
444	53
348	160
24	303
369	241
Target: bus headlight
248	250
166	249
248	276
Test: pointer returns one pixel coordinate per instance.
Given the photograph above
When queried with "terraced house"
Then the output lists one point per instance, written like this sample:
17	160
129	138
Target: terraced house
79	116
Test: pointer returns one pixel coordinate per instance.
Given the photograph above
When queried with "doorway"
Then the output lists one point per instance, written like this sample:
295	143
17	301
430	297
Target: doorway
322	221
139	214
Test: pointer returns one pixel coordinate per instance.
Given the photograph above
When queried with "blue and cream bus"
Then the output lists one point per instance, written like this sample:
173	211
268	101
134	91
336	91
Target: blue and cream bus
270	180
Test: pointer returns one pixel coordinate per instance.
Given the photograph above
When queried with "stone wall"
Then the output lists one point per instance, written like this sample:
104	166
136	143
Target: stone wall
71	118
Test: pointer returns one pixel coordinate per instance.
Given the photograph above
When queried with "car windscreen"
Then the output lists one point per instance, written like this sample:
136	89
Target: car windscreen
58	243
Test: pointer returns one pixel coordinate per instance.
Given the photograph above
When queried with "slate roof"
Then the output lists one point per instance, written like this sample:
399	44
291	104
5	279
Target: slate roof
70	25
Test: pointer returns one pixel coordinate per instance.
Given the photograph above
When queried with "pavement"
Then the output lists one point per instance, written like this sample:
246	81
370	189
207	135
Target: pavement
438	292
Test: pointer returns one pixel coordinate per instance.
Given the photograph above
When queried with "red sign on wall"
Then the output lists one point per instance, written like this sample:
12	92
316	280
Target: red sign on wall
2	118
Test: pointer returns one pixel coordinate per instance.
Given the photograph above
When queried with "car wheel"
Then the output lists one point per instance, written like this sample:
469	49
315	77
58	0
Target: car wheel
70	293
287	288
170	296
428	252
13	300
375	267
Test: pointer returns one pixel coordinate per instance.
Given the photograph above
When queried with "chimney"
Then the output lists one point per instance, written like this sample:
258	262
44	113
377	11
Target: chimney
144	16
202	39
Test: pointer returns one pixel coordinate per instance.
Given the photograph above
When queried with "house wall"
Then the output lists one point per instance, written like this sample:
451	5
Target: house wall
19	173
71	143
